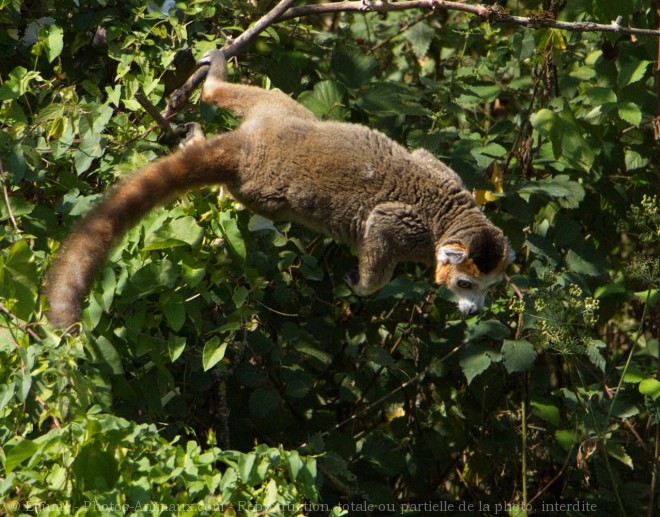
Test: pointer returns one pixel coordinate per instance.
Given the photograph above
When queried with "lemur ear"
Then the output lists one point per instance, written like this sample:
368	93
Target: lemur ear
451	254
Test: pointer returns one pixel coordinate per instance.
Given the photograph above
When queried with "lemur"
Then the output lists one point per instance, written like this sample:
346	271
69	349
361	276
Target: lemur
340	179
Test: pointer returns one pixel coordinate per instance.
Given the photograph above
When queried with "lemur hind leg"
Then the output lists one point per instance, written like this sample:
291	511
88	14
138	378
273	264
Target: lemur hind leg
393	233
243	100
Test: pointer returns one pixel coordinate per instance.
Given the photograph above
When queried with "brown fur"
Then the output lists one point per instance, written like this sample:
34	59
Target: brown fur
343	180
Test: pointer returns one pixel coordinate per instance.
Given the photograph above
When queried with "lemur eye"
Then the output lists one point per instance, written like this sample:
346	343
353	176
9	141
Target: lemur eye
464	284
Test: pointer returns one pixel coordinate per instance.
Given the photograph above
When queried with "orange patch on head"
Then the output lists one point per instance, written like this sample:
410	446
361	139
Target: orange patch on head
443	272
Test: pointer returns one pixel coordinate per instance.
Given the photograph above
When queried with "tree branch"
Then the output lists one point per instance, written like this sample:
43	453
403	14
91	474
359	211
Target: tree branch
491	14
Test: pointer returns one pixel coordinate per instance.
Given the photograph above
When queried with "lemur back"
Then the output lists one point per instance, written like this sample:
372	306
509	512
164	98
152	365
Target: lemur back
341	179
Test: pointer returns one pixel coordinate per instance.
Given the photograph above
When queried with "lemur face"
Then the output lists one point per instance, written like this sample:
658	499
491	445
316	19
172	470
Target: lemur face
458	272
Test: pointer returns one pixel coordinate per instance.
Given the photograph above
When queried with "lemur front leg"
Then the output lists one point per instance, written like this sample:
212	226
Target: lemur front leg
393	233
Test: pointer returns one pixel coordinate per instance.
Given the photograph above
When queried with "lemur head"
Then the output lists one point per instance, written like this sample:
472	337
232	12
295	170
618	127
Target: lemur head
468	266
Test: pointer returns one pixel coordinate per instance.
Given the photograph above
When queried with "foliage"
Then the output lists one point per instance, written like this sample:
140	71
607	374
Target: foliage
223	363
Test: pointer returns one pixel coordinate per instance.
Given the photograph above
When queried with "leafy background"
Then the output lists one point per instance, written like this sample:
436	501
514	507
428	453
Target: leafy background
225	366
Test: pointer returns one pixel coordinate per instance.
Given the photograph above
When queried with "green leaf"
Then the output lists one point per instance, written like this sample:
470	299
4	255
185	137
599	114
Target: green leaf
389	98
294	464
420	37
95	468
175	346
245	466
620	408
485	155
107	354
310	268
518	355
568	193
326	100
260	223
617	451
633	375
594	354
233	235
475	359
177	232
22	384
20	276
631	71
566	136
650	296
175	311
240	296
19	453
631	113
635	160
567	438
403	288
493	329
271	494
54	42
586	260
214	352
352	66
153	277
546	410
6	395
17	83
650	387
379	356
478	93
19	207
263	401
88	150
320	355
609	289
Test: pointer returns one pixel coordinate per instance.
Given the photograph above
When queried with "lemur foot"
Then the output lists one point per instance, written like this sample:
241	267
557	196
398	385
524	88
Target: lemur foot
206	57
218	62
194	133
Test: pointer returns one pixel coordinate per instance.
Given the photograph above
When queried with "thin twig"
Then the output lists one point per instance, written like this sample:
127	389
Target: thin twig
554	479
164	125
22	324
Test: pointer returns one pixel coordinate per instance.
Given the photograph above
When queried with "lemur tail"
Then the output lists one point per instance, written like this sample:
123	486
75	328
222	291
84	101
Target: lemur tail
85	250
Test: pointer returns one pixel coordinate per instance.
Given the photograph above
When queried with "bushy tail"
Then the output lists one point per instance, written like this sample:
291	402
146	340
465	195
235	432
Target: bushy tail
83	253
